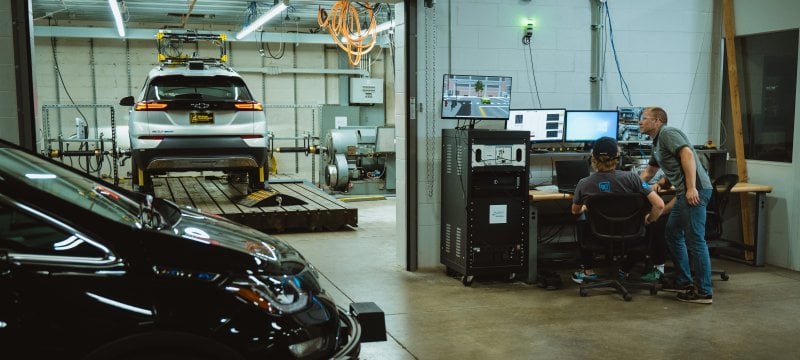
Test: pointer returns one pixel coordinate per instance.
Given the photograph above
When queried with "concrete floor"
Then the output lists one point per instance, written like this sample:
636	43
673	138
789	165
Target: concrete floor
755	315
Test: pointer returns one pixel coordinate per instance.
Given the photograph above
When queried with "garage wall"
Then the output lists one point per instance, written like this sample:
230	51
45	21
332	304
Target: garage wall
9	127
664	49
102	71
782	230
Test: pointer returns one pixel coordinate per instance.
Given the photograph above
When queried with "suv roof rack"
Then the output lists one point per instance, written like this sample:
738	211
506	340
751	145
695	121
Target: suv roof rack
171	51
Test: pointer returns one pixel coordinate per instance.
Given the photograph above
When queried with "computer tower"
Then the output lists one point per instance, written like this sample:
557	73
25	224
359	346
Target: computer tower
485	204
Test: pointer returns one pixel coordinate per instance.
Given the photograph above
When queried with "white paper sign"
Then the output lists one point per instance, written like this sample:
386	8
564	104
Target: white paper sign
498	214
340	121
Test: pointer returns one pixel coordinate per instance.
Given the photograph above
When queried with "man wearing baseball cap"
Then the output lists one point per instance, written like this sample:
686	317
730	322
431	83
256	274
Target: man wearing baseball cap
608	179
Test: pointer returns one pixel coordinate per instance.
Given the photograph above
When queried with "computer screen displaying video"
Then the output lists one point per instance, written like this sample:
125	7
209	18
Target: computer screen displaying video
590	125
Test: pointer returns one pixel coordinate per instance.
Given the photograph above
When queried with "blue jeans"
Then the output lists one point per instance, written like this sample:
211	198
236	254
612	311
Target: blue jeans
685	237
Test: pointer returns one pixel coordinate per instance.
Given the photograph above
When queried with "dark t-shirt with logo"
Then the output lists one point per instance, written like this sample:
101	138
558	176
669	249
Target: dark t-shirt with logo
616	181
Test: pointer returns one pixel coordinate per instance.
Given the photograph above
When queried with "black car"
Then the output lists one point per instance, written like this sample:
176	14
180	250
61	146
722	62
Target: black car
91	270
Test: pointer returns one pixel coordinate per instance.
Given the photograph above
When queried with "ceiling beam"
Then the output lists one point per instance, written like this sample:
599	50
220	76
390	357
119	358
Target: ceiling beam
149	34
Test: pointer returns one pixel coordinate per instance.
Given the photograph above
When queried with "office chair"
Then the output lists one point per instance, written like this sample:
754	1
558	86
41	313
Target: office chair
714	216
616	225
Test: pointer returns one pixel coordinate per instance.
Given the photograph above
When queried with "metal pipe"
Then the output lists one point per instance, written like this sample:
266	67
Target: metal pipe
150	34
274	70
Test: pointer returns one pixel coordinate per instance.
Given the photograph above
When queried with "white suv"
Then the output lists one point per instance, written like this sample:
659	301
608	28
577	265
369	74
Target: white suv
193	117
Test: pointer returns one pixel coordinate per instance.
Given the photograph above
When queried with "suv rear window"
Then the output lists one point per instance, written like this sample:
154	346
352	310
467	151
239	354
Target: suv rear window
213	88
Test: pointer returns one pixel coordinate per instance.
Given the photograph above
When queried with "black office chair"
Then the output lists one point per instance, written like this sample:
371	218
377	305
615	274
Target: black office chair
616	225
714	216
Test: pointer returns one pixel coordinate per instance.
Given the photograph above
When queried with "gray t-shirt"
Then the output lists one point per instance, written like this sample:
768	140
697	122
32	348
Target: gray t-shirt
616	181
665	155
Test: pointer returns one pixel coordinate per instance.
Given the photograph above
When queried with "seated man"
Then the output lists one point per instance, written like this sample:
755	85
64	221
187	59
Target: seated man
658	245
607	179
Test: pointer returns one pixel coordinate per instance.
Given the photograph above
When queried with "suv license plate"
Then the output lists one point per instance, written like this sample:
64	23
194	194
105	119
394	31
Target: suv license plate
201	118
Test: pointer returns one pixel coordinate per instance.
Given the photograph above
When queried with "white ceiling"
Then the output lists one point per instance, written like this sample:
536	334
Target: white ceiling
301	15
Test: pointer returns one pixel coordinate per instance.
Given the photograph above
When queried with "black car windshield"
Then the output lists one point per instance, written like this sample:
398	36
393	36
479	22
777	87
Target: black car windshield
68	185
212	88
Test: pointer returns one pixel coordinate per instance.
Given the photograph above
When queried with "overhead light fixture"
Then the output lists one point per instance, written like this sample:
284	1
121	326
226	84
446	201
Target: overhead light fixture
117	17
378	29
261	20
385	26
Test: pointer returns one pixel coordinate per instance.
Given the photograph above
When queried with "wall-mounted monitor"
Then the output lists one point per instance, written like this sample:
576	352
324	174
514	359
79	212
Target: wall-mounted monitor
476	97
590	125
545	125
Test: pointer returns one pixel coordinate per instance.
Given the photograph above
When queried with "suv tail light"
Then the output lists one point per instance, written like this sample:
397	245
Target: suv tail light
150	106
253	106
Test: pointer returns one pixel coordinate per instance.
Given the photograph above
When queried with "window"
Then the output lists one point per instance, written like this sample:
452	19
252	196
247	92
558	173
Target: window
22	232
767	68
213	88
70	186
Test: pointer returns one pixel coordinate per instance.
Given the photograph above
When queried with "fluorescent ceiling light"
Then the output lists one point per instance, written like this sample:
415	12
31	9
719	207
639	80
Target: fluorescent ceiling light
378	29
385	26
40	176
261	20
117	17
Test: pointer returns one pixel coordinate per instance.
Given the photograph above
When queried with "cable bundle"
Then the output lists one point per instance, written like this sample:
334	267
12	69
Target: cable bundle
344	24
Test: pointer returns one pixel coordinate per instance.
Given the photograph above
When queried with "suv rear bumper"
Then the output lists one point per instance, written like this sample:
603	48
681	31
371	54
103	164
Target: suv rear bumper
199	153
201	163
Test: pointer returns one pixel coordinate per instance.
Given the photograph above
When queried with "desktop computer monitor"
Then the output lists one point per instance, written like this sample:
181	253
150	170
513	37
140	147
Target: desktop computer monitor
476	97
590	125
545	125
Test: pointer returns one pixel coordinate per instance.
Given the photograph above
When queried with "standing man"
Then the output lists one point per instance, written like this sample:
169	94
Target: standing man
686	225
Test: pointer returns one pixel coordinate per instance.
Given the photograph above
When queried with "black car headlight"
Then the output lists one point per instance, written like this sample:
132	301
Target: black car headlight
275	294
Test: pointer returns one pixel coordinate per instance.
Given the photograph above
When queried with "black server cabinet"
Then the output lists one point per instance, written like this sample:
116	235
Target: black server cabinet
485	202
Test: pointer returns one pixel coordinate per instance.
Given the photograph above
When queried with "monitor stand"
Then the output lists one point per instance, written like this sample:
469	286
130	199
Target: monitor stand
469	125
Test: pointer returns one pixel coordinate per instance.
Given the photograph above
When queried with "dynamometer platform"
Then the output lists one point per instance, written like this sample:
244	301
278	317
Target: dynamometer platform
318	212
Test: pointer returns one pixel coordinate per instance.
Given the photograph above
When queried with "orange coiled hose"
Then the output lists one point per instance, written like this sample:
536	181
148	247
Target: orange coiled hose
344	25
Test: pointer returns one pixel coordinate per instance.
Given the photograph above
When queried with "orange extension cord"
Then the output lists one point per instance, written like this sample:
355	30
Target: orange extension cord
343	23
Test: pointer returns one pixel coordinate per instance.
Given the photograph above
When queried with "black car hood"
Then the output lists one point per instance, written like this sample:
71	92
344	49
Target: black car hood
267	251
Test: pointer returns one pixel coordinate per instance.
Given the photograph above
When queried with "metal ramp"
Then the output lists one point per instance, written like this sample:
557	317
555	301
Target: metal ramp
318	211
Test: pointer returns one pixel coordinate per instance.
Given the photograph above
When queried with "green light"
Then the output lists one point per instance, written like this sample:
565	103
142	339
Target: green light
525	21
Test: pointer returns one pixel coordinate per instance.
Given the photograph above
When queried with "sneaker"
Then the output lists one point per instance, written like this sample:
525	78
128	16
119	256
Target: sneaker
621	275
672	287
579	276
652	276
693	297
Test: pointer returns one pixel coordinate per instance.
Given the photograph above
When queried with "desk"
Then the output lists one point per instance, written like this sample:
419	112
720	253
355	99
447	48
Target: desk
759	218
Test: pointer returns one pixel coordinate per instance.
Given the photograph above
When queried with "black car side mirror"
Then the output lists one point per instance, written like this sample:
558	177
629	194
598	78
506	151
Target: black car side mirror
126	101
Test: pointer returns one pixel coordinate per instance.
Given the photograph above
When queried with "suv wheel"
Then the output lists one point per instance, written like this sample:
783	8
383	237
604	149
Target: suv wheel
253	183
